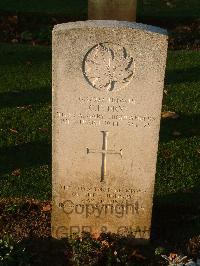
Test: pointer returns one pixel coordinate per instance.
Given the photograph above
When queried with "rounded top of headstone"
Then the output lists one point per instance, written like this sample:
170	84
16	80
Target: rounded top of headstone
109	24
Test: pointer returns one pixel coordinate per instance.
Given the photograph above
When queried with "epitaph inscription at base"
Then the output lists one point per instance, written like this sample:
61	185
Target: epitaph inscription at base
107	93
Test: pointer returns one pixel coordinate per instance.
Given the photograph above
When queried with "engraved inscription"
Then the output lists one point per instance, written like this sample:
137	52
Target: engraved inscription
108	67
102	201
104	196
110	112
104	153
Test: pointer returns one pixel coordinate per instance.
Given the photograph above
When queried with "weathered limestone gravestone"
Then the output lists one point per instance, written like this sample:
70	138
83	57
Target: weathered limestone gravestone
107	94
112	9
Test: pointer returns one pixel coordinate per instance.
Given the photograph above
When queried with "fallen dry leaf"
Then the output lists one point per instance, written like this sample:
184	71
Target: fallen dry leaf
16	172
167	154
137	255
169	4
13	130
43	129
105	243
13	19
14	41
176	133
46	208
169	114
172	256
193	131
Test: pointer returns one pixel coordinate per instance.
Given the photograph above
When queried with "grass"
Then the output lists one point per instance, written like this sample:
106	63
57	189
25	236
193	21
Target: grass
178	164
25	124
67	7
175	9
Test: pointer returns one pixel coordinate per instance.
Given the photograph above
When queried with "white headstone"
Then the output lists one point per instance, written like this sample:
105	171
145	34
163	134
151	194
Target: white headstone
107	94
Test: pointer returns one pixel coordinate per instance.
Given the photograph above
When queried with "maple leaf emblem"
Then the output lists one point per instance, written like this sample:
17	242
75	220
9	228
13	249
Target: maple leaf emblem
108	67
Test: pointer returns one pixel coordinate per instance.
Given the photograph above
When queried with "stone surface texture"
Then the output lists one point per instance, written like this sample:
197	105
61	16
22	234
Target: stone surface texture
107	94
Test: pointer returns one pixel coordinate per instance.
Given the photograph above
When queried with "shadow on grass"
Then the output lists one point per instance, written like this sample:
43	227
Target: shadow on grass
25	97
86	251
176	217
54	8
47	251
25	155
182	75
187	125
22	54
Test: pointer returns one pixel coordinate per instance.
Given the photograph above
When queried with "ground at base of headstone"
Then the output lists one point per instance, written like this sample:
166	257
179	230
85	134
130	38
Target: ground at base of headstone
25	239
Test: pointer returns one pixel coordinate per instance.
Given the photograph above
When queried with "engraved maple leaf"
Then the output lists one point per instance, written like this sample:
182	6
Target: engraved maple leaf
106	67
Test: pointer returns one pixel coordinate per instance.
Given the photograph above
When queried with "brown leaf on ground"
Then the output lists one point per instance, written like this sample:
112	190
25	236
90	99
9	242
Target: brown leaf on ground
28	221
43	129
169	114
46	208
165	92
172	256
176	133
193	131
13	130
137	255
14	41
13	19
169	4
16	172
167	154
105	244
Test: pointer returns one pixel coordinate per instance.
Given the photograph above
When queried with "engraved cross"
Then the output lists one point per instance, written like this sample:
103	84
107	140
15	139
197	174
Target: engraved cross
104	151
